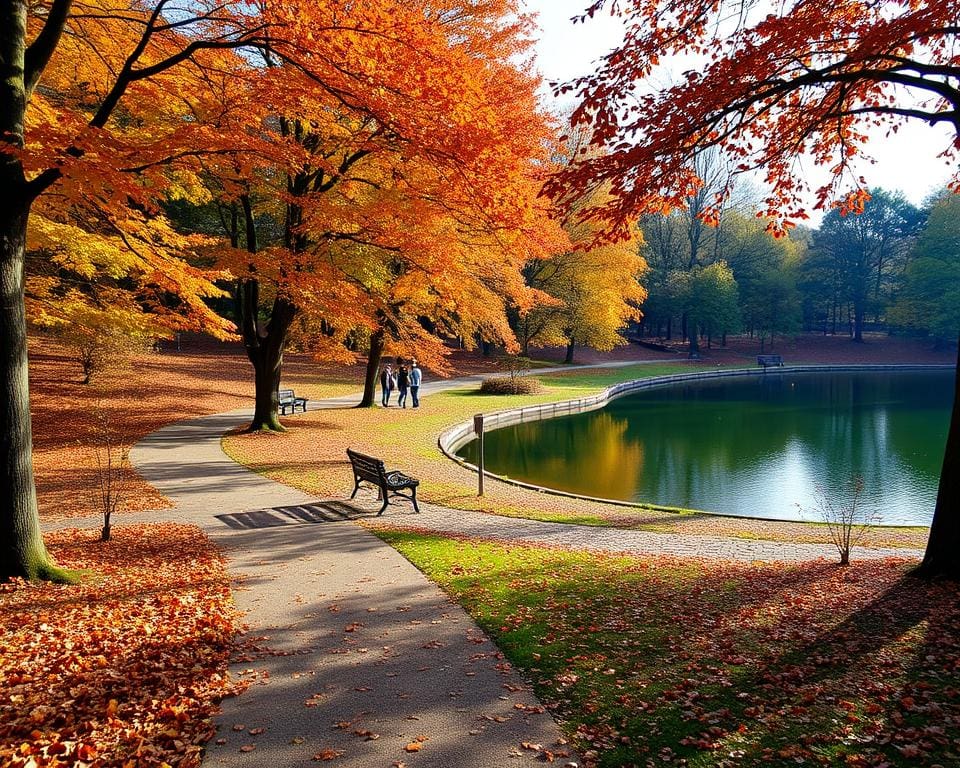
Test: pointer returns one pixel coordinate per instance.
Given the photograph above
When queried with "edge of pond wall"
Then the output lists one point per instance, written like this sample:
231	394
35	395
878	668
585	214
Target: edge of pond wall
455	437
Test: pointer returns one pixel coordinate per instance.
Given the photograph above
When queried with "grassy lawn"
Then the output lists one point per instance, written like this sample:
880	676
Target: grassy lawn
661	661
312	456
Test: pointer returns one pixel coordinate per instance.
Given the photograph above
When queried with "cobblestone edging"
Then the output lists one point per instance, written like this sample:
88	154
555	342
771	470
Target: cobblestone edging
455	437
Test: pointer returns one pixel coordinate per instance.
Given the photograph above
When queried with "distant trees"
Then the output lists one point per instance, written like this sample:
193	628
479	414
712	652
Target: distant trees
929	298
861	259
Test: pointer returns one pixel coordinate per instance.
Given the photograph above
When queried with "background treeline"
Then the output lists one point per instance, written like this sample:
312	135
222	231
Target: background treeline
895	269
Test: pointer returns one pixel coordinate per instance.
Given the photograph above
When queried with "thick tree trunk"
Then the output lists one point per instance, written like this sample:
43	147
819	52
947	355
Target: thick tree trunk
570	347
942	558
265	352
377	343
22	552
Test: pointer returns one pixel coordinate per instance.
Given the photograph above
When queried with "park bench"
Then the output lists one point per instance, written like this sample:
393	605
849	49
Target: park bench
371	470
286	398
768	360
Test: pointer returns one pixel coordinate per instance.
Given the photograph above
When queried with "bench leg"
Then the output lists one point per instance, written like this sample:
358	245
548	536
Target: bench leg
386	501
356	487
414	497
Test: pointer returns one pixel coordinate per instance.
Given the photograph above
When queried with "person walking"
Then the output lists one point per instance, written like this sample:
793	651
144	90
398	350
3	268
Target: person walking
387	383
415	378
403	383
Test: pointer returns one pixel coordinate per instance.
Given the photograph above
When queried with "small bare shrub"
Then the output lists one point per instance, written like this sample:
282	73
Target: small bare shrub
111	452
846	519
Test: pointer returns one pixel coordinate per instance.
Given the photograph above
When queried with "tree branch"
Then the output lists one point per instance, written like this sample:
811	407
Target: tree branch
40	50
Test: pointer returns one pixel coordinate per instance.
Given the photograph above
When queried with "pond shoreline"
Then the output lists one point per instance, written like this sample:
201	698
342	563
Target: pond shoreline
454	438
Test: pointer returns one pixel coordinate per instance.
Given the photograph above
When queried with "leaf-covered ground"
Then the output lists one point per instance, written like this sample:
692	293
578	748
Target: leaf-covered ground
140	395
124	669
662	661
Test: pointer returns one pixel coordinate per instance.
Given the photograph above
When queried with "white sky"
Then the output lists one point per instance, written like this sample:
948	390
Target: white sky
906	161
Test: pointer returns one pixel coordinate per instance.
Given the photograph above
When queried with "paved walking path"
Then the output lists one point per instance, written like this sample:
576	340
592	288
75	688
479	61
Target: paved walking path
355	650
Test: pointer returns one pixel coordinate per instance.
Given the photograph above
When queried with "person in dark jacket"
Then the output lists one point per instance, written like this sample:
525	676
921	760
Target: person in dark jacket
403	383
387	383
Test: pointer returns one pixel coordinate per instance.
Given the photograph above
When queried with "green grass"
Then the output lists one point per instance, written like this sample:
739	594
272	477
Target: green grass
649	662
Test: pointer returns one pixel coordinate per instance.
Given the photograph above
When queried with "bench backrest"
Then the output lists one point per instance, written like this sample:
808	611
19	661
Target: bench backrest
769	359
285	395
367	467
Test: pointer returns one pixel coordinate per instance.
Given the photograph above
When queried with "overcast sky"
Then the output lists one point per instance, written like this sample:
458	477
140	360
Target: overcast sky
906	161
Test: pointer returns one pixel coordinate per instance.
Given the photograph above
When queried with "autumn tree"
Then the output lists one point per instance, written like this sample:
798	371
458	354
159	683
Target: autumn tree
588	293
371	211
767	89
73	87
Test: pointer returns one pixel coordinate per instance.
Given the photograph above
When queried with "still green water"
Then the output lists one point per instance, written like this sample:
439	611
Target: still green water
756	447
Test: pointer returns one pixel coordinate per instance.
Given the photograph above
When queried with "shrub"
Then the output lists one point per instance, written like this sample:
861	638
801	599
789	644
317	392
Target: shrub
511	385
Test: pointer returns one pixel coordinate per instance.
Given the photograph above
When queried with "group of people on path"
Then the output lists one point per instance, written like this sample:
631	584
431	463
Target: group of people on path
403	380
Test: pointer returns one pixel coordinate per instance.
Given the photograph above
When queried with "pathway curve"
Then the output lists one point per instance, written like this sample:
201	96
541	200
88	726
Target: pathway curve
356	651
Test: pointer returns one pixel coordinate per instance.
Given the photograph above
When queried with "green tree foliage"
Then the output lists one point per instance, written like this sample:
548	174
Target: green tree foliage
766	273
711	303
930	299
862	257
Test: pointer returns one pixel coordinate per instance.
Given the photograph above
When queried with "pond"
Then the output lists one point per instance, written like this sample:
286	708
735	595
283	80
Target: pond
751	446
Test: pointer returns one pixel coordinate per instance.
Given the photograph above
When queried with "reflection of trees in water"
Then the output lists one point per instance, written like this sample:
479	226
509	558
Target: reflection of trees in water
571	455
743	446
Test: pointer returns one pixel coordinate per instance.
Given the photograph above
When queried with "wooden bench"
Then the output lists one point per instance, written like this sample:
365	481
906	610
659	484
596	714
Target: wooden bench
371	470
286	398
768	360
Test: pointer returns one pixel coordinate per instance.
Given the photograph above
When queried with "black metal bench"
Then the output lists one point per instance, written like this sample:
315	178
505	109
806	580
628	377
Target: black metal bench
768	360
371	470
286	398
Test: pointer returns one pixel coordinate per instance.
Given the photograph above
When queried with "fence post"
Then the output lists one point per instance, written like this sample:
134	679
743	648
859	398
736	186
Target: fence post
478	428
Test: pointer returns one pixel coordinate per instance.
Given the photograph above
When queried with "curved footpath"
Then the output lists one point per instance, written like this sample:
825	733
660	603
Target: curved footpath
355	650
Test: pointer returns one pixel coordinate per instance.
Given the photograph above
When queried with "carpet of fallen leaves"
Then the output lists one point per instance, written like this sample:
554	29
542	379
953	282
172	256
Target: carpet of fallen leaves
140	394
124	669
665	661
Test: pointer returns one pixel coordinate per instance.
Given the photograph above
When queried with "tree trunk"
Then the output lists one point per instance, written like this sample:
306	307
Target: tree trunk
265	352
570	347
942	557
858	315
22	552
377	344
694	350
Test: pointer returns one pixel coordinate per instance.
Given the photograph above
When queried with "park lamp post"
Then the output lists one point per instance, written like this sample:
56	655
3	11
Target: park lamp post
478	429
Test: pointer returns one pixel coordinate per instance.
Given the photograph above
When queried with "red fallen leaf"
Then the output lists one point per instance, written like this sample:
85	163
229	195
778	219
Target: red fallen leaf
256	731
353	626
248	747
413	746
328	754
86	752
221	742
239	727
421	737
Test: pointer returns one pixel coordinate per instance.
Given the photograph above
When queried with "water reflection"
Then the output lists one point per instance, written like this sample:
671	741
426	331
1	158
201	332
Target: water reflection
754	447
